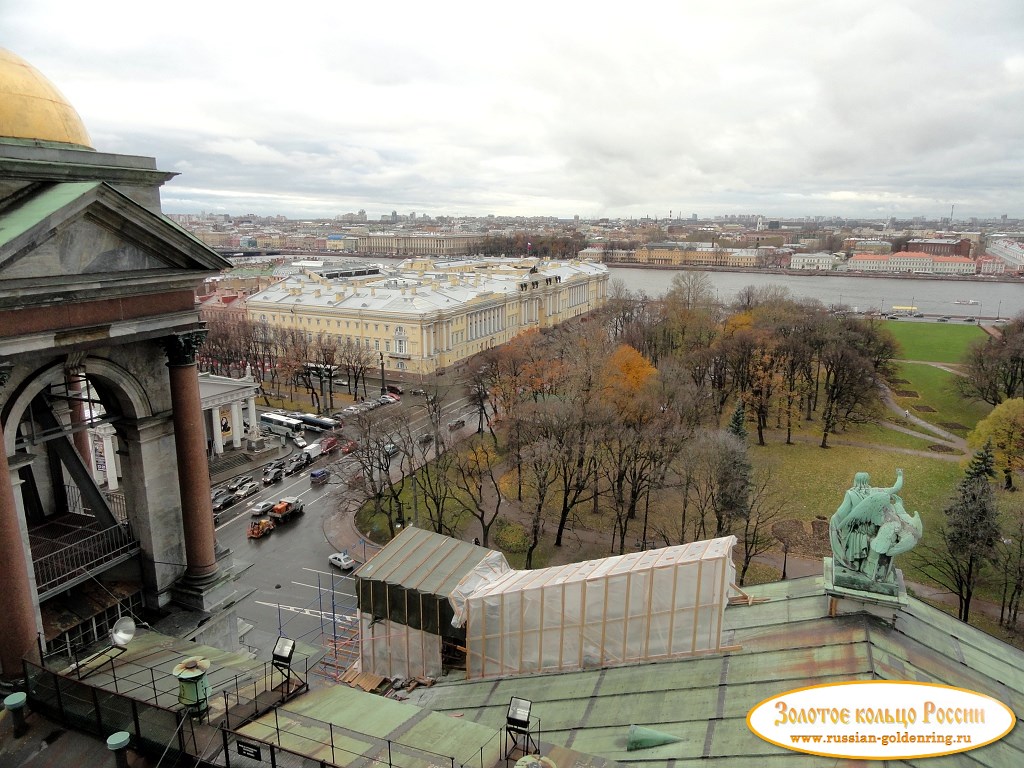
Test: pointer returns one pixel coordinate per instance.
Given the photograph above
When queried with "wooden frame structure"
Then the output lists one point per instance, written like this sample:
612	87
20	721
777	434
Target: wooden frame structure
643	606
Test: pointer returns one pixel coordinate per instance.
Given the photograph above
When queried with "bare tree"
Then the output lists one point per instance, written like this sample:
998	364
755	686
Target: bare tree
754	532
850	388
538	474
475	476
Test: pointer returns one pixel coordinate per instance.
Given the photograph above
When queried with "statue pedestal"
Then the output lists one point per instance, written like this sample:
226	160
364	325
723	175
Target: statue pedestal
842	582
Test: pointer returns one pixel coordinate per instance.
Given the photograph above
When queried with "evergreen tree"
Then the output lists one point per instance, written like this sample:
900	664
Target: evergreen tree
738	422
983	463
968	538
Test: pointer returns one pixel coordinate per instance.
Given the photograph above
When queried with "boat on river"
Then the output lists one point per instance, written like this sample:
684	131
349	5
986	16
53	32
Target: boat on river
969	302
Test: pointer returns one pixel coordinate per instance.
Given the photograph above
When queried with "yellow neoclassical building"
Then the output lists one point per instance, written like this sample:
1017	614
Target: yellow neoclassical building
426	315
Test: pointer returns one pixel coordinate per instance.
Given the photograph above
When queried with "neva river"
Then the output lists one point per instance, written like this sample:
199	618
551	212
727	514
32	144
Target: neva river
933	297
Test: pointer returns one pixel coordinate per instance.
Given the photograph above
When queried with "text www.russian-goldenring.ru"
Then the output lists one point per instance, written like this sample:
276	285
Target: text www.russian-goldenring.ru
948	739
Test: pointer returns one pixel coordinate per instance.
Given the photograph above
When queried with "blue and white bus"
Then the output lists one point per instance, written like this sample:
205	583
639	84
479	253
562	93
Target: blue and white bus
280	424
318	423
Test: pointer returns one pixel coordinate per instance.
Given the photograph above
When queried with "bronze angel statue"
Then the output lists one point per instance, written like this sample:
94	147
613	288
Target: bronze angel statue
871	527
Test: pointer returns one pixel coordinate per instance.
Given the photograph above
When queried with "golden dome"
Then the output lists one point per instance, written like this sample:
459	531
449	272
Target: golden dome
32	108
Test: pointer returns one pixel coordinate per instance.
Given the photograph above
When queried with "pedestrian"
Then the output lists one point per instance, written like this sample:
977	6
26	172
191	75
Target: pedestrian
476	541
906	414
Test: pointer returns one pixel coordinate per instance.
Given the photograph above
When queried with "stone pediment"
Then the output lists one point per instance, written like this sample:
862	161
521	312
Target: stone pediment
66	232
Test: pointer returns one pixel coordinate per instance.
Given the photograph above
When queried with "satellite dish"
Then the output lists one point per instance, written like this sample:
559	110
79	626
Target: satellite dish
122	632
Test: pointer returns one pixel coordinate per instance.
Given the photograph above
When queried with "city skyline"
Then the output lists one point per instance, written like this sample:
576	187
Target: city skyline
788	109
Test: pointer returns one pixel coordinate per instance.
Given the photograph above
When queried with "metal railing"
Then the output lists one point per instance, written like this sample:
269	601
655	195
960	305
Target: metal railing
78	558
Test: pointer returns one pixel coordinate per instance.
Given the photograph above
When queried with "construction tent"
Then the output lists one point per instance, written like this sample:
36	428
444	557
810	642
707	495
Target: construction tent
642	606
405	615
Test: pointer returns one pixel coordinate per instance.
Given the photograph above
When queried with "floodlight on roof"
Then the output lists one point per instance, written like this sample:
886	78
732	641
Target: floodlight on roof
518	723
284	649
518	713
122	632
281	658
120	635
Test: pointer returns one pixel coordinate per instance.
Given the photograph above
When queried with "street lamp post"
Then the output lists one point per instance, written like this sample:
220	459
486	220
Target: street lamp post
383	388
999	309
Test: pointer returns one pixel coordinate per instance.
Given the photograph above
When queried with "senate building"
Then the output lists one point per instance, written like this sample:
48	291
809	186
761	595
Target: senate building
427	315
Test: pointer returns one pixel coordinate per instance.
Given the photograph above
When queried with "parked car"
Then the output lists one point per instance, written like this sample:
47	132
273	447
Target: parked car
223	499
279	464
386	400
261	508
390	449
394	389
418	392
352	410
275	475
238	482
342	560
248	489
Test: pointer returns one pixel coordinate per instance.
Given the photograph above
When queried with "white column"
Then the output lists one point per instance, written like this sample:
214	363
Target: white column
254	419
218	441
236	424
110	466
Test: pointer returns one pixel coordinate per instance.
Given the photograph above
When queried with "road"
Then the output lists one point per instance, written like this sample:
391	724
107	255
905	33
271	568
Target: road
295	592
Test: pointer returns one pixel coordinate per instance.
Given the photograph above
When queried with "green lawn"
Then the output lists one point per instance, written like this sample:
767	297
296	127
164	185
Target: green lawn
815	479
934	342
936	390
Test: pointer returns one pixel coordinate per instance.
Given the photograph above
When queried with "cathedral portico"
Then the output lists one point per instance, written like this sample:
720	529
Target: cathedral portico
102	432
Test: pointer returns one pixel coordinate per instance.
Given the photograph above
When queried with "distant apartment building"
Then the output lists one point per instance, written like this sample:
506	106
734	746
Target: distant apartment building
422	320
342	242
1009	251
440	245
866	245
677	254
941	246
912	262
990	265
821	261
608	255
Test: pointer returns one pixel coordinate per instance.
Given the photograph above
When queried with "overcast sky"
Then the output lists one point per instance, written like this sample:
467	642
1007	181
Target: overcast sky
782	107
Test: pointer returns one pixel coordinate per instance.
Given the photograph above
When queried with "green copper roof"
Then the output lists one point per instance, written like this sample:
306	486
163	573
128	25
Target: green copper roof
19	219
786	642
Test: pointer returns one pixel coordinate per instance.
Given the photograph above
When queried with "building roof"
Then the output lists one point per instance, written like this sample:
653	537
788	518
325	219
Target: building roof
415	292
31	107
422	560
788	641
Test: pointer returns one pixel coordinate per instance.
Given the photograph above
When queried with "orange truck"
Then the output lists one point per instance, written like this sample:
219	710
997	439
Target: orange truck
286	509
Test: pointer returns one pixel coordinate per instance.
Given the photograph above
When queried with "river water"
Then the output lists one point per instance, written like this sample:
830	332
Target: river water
933	297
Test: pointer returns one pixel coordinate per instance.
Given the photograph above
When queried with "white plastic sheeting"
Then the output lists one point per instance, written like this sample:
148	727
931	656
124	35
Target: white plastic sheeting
642	606
487	571
391	649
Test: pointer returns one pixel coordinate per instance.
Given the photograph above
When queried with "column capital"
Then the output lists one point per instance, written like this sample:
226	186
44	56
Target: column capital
5	373
181	348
